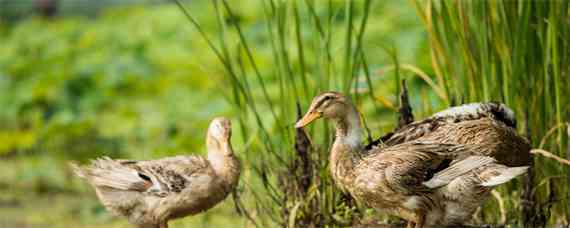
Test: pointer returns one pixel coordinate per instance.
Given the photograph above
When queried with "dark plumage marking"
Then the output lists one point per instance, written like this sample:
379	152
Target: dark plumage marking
324	99
443	165
177	182
173	180
500	115
145	177
378	141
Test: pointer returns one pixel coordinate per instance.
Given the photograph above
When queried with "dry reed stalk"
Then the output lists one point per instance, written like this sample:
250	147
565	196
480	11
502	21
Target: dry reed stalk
547	154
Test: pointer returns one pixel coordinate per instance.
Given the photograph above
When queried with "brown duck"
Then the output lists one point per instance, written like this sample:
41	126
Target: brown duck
150	193
424	178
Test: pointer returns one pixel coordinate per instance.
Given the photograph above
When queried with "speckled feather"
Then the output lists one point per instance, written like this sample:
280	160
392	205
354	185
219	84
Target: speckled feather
390	176
489	126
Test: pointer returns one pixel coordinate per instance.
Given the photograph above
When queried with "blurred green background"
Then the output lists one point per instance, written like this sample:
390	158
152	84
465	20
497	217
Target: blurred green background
133	79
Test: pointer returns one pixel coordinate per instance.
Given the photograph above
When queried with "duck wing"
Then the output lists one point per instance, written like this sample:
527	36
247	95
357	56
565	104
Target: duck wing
156	177
173	174
475	111
410	165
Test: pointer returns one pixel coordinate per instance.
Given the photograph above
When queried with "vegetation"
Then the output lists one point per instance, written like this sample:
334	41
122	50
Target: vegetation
515	52
132	82
122	85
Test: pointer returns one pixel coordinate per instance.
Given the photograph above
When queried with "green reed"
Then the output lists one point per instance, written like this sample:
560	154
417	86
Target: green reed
266	99
516	52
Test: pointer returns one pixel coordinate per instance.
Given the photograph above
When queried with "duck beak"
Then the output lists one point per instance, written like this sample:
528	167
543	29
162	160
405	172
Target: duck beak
308	118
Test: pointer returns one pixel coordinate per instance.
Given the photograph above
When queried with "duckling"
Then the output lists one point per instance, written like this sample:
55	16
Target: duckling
150	193
408	179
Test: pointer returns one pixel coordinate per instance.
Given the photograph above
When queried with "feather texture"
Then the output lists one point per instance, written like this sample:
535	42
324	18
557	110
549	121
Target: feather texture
456	170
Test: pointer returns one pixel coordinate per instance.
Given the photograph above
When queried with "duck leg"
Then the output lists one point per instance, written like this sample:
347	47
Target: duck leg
163	225
421	220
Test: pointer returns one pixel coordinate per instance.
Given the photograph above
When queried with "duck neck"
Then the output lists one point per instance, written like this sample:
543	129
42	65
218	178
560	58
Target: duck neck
224	163
345	152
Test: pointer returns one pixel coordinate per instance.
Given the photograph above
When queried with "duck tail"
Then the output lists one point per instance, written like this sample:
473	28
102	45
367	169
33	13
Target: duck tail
105	172
504	176
77	170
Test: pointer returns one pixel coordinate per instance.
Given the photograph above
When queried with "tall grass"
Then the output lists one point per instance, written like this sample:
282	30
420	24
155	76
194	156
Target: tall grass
511	51
516	52
297	187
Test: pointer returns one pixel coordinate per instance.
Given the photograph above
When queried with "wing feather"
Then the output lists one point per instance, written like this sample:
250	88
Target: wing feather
414	163
159	177
474	111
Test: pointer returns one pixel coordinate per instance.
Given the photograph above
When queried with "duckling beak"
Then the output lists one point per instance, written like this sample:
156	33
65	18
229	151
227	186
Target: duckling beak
308	118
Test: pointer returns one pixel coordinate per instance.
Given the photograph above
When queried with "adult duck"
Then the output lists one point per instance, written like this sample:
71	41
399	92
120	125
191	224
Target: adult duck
150	193
409	179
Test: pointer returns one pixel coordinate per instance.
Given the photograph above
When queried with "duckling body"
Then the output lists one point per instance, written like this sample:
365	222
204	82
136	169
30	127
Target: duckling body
421	168
150	193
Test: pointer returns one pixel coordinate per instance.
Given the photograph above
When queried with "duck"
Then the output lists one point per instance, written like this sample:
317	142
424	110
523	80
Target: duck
419	179
149	193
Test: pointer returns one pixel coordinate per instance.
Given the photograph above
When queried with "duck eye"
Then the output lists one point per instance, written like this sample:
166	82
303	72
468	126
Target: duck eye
328	97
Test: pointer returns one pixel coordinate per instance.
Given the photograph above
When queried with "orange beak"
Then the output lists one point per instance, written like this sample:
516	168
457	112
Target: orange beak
308	118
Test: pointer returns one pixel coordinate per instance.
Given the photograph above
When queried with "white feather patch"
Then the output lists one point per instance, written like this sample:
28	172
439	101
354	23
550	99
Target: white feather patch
412	203
447	175
353	138
472	108
505	176
354	135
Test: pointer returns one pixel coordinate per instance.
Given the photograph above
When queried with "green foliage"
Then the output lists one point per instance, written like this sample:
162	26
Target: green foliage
126	85
297	50
505	51
138	83
106	83
516	52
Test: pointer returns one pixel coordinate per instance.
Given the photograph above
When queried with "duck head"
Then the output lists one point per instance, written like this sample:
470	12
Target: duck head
219	133
328	105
